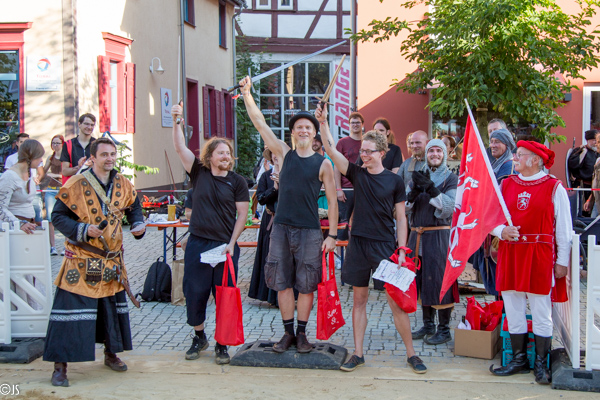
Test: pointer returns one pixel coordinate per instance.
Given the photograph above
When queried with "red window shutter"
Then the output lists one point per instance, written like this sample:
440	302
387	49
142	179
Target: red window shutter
130	96
206	112
228	115
219	113
103	92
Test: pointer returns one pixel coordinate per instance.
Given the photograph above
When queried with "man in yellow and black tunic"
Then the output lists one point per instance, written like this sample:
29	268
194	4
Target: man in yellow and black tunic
90	304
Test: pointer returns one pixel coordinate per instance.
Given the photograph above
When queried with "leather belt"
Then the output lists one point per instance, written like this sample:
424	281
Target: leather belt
109	255
422	229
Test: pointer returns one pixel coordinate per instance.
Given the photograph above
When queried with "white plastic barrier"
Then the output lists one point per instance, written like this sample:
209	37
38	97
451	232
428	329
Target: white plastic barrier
5	325
566	315
592	331
31	285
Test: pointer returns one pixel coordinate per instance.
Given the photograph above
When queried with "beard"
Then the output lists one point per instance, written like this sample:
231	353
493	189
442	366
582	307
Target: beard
303	144
434	163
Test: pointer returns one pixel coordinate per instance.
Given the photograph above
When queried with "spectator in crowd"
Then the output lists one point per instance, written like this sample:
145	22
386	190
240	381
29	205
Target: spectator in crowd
266	195
393	158
581	165
13	158
450	143
595	197
17	187
430	205
408	144
417	161
52	183
500	154
76	152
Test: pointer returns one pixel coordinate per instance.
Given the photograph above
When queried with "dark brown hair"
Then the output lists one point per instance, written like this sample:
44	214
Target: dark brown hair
98	142
358	115
87	115
386	124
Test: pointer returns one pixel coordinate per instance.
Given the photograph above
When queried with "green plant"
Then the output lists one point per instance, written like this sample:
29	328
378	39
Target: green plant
248	139
123	162
507	54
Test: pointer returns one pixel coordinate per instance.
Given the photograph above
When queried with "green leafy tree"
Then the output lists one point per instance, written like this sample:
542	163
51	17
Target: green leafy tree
123	163
248	139
505	54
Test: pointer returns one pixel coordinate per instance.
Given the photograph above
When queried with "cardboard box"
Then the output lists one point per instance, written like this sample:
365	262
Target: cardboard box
477	344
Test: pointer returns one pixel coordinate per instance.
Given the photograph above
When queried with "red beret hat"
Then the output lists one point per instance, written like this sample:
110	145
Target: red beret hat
539	149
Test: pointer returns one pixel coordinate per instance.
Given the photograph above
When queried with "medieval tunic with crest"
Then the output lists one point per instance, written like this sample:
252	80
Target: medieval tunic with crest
527	265
89	203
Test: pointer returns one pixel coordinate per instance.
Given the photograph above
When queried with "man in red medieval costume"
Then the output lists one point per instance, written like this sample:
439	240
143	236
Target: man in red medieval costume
532	254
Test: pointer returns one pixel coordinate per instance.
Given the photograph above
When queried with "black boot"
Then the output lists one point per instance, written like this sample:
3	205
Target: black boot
519	363
442	335
428	324
540	366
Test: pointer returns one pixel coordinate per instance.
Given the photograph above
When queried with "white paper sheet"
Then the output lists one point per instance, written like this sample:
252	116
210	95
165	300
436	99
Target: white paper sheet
388	272
138	228
214	256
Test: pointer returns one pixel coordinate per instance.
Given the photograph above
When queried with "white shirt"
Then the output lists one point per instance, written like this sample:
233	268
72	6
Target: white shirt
562	218
11	160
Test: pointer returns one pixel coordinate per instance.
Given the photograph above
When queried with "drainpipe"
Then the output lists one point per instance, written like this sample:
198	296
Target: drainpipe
234	56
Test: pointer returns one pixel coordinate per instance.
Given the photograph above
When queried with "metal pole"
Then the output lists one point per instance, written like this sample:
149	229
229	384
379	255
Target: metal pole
234	72
353	58
183	75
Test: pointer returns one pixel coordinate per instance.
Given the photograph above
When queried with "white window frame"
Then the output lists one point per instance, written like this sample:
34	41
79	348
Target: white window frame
587	107
266	7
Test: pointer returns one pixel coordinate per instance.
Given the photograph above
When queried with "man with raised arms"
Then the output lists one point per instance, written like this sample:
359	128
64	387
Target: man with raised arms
294	259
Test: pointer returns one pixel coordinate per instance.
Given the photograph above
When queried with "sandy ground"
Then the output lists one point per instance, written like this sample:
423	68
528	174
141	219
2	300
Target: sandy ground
165	376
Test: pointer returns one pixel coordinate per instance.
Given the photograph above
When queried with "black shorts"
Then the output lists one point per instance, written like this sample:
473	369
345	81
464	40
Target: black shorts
363	258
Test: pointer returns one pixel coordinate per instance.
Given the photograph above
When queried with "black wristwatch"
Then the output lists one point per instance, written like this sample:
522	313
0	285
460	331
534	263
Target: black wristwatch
332	236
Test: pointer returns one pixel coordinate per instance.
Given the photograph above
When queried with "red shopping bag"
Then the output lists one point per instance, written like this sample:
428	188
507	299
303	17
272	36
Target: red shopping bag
474	312
229	328
559	293
407	301
329	308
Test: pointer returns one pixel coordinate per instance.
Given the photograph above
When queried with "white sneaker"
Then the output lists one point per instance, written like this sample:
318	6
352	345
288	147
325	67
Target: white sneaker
62	253
53	251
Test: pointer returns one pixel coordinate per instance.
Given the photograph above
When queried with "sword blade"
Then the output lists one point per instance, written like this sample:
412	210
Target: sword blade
332	82
290	64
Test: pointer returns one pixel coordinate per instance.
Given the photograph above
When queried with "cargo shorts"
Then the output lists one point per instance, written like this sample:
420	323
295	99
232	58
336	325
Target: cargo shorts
294	259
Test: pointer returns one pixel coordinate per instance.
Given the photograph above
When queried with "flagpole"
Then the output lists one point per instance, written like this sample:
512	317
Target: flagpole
489	166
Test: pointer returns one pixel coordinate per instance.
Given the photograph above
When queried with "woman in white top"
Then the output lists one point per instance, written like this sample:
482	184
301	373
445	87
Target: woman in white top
18	188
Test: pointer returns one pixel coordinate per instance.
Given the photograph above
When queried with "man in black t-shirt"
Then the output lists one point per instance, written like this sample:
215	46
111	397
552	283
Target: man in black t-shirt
378	193
219	209
294	259
77	157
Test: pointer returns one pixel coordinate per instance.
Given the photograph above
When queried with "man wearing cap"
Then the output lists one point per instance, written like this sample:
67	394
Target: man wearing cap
294	259
500	154
533	252
430	205
581	164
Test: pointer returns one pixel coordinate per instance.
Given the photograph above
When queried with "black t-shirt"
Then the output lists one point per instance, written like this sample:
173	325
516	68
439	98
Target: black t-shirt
214	198
77	151
392	159
374	199
188	199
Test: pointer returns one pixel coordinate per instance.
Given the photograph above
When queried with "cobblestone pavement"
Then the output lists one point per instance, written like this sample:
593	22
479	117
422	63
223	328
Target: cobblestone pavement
161	327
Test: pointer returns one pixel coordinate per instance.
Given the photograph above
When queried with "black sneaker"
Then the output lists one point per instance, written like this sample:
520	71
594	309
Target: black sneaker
417	365
353	363
221	355
198	344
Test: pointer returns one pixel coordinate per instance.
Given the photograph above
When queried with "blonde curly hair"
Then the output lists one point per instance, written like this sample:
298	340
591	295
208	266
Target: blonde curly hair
381	143
209	148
